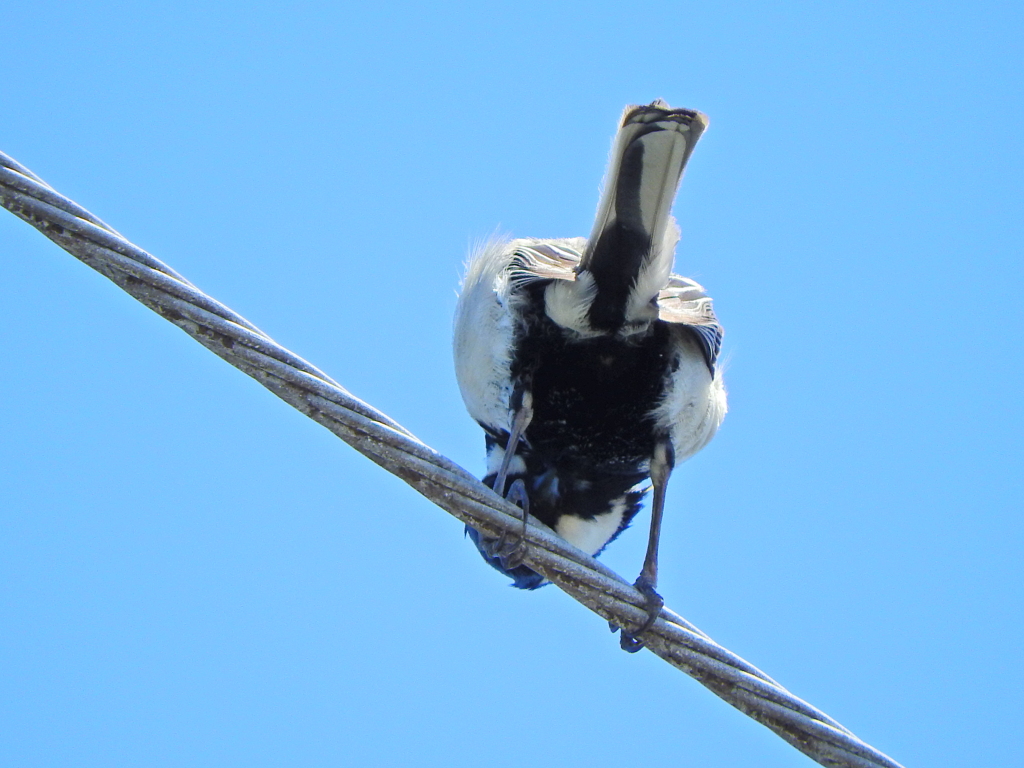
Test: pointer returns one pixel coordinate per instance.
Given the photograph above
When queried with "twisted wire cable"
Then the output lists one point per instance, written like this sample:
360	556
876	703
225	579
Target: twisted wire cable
448	485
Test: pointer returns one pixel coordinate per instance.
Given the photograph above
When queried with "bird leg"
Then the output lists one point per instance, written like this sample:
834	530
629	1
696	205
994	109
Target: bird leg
511	552
522	419
661	468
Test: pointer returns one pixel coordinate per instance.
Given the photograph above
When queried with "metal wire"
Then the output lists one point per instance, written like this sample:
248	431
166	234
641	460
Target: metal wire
448	485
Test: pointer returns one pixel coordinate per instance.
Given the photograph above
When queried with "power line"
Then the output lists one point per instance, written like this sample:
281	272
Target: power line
301	385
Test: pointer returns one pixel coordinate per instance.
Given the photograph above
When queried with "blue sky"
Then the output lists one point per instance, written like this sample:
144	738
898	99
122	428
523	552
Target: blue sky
193	574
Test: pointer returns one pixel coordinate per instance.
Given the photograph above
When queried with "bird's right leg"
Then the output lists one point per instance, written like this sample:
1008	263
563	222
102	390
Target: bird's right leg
521	420
661	468
511	552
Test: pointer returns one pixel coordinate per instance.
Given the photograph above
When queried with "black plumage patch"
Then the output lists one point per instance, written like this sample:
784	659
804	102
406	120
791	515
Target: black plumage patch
592	436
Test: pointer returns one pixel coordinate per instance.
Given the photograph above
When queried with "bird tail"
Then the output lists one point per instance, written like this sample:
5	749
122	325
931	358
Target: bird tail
626	254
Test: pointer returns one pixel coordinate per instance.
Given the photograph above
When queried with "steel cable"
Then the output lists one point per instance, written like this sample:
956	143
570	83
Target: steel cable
448	485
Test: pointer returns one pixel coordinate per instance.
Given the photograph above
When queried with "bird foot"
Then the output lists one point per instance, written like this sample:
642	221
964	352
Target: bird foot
630	641
511	548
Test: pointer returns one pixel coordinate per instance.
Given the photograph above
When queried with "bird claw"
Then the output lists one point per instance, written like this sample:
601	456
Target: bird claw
630	641
509	548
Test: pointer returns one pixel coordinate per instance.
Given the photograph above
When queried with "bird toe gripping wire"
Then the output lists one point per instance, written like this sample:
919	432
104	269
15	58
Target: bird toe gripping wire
452	488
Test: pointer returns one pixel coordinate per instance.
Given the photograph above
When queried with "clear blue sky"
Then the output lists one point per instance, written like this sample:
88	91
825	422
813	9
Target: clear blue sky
193	574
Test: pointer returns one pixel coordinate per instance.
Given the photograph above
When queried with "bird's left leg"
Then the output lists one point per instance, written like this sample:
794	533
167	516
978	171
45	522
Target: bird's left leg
662	463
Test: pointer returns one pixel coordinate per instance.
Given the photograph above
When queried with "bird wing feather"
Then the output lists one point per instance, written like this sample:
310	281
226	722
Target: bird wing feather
682	302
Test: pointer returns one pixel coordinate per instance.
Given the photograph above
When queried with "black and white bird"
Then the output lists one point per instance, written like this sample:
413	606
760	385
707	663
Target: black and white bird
593	369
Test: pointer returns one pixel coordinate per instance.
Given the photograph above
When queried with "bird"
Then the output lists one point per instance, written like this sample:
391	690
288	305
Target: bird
592	368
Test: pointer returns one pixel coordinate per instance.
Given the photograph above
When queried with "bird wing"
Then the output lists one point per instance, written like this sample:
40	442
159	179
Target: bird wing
684	302
545	259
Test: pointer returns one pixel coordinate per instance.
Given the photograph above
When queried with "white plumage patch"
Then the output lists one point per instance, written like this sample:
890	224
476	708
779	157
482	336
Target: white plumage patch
567	303
653	277
496	455
694	403
484	331
592	535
